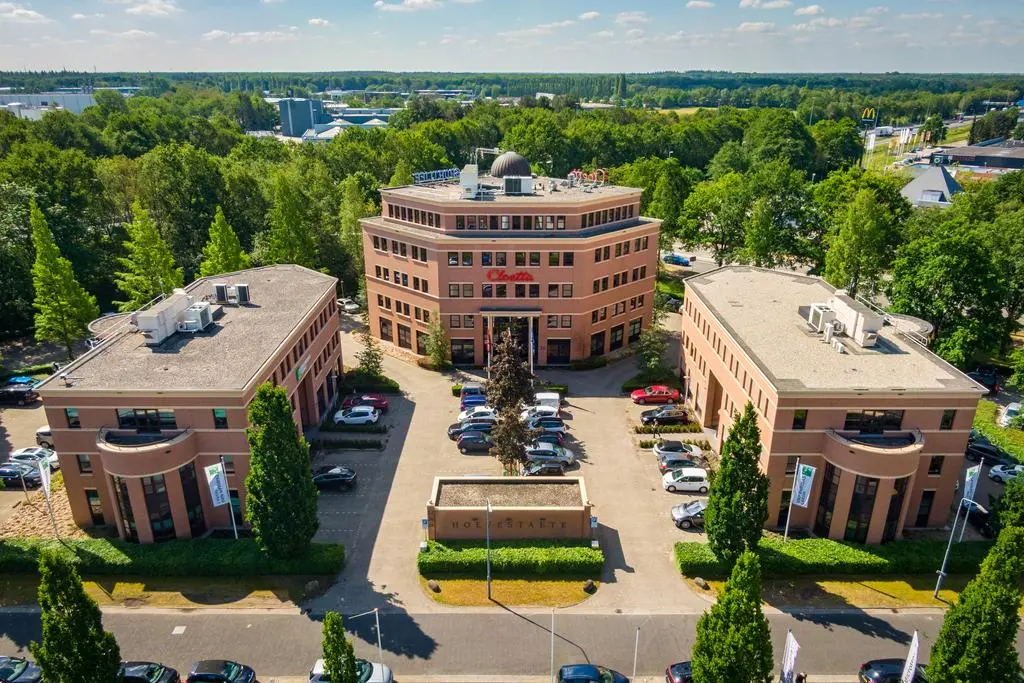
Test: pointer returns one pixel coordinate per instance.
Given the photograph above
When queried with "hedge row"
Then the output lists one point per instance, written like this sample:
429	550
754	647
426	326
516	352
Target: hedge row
562	389
1009	439
646	379
347	444
691	428
821	556
199	557
357	429
702	444
589	363
564	559
357	381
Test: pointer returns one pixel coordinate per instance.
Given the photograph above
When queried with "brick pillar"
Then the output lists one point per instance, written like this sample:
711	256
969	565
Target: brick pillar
176	497
881	510
139	510
841	511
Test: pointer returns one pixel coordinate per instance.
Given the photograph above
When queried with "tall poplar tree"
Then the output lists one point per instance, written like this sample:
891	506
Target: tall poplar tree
223	252
353	207
63	307
74	647
339	655
149	268
280	495
292	237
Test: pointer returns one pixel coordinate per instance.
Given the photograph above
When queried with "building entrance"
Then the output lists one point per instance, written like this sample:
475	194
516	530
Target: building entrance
524	329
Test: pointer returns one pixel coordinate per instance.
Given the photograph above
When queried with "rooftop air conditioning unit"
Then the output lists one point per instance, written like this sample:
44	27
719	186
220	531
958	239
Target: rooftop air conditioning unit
469	181
220	292
866	339
242	294
820	316
196	317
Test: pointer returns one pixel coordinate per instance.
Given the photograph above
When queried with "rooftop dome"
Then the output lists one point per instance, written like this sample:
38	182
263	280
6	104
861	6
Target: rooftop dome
510	164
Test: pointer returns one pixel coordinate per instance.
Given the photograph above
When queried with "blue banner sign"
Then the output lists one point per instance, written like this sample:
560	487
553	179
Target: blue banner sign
424	177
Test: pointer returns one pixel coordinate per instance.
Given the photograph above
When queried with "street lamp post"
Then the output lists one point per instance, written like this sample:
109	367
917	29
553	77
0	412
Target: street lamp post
487	531
952	531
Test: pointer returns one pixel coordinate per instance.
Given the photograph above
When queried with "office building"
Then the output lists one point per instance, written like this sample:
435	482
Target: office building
299	115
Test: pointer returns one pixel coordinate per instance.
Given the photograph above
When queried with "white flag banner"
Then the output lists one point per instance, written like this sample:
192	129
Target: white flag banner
218	484
910	666
802	485
971	481
789	658
44	476
871	142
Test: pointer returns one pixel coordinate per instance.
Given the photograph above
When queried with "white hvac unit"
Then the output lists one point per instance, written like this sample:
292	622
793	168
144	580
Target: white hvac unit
196	318
820	316
860	322
220	292
242	294
866	339
161	321
469	181
518	185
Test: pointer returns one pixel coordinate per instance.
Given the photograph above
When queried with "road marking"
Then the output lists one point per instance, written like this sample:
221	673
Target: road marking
178	630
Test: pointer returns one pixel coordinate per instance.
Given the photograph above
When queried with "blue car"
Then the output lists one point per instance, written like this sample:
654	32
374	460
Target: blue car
589	673
472	400
675	260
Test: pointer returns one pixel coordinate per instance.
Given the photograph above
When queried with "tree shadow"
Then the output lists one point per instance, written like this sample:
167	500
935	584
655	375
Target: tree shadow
545	629
614	558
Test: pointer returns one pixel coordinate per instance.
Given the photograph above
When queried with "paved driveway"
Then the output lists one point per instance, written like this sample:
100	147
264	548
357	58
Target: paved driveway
17	430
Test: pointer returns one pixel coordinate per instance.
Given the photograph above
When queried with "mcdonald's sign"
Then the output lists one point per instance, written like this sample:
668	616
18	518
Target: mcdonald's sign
868	114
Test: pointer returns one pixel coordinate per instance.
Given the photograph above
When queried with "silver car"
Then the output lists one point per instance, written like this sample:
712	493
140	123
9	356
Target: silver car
549	452
366	672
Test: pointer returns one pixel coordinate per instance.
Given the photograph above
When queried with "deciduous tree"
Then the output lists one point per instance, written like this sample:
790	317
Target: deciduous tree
715	215
510	384
63	308
339	656
733	640
438	344
738	500
74	647
223	252
353	208
291	237
280	495
149	268
934	129
650	350
859	254
1009	508
402	174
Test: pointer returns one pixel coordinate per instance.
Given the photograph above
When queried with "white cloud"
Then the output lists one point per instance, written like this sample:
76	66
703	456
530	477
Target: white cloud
242	37
755	27
635	34
154	8
130	34
535	31
820	22
809	10
878	9
631	18
603	35
588	16
13	12
922	15
699	4
765	4
317	21
407	5
271	2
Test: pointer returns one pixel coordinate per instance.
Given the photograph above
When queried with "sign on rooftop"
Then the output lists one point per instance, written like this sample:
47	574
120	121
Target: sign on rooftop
424	177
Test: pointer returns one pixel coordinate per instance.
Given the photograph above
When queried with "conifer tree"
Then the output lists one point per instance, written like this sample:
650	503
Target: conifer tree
149	269
353	207
371	358
402	174
223	252
339	655
510	384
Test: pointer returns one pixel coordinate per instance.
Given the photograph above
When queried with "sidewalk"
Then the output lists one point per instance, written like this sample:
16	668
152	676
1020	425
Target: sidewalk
811	678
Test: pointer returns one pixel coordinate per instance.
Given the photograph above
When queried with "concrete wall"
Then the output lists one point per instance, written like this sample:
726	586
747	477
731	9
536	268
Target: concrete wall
459	524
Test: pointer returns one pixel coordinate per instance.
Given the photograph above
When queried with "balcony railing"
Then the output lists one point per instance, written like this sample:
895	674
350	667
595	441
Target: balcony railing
895	442
129	438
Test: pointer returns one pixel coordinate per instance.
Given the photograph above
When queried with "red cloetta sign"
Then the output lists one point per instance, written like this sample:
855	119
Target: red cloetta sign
499	275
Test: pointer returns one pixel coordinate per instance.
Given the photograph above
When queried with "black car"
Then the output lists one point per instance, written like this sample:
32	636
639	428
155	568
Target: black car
887	671
457	429
475	442
666	415
19	670
993	455
12	473
17	395
146	672
544	469
220	671
334	477
554	438
988	378
982	520
680	672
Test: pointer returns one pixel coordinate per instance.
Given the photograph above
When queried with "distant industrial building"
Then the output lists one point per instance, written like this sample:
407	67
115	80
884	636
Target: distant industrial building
1007	155
325	132
72	102
932	189
299	115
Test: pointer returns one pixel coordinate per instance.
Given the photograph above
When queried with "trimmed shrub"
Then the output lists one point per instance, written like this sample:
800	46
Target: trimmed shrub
589	363
702	444
354	380
562	389
821	556
351	444
1010	439
511	559
692	428
646	379
198	557
361	429
456	390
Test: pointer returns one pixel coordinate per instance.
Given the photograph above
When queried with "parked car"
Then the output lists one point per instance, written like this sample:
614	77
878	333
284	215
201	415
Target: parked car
472	389
680	672
474	412
220	671
35	455
888	671
44	437
675	462
673	303
1003	473
675	260
457	429
677	448
366	672
539	411
23	380
548	398
665	415
655	394
1009	414
589	673
472	400
687	480
146	672
475	442
988	379
992	454
981	519
334	477
357	415
547	424
348	305
557	438
374	400
689	515
19	670
547	452
17	395
544	469
12	473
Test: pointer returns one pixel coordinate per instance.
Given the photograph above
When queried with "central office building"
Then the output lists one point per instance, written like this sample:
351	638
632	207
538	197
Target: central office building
568	264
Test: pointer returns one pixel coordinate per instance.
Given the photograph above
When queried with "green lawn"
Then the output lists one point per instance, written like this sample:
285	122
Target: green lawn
670	286
1009	439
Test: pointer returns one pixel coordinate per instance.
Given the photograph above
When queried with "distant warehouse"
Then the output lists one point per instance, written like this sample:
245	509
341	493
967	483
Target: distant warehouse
1007	156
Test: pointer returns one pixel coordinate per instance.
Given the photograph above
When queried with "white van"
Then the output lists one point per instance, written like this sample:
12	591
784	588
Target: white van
549	399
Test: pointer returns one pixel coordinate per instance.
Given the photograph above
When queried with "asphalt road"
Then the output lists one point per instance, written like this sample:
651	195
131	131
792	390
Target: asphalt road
482	644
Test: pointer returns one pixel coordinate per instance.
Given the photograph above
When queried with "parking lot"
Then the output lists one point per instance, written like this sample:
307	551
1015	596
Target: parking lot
17	430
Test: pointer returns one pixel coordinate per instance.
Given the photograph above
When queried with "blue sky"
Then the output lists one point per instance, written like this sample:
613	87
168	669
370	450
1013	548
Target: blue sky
511	35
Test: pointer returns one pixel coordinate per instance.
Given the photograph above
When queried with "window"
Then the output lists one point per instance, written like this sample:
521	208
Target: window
520	291
467	290
593	315
636	244
615	280
487	291
604	313
376	240
385	330
467	258
376	271
387	274
607	253
92	498
455	321
553	291
517	222
618	249
560	222
504	223
800	419
236	507
597	286
467	321
597	344
394	246
220	418
401	249
463	352
827	500
862	504
501	291
566	321
791	464
568	258
625	247
597	255
924	508
500	258
521	258
527	222
615	340
636	274
72	417
534	291
874	421
158	505
405	279
643	270
554	258
229	464
534	258
634	330
485	258
604	284
935	465
552	322
421	343
460	222
453	290
146	419
567	291
948	418
387	302
84	463
453	258
404	337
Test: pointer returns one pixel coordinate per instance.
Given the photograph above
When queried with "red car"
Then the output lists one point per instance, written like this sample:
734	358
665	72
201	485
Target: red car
655	394
375	400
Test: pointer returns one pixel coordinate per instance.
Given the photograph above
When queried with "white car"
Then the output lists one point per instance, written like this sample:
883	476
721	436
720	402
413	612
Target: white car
687	480
549	452
1009	414
44	437
357	415
539	411
1003	473
35	455
348	305
664	449
366	672
478	412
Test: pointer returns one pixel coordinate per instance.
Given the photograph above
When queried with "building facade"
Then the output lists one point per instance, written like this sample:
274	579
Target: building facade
165	394
837	386
299	115
570	265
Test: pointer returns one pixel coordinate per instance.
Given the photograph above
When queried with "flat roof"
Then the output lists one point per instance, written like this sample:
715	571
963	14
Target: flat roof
1016	152
564	194
223	357
504	493
492	235
765	313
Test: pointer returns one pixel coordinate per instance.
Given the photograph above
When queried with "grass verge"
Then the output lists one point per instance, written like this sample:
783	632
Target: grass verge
1009	439
859	592
523	592
667	286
